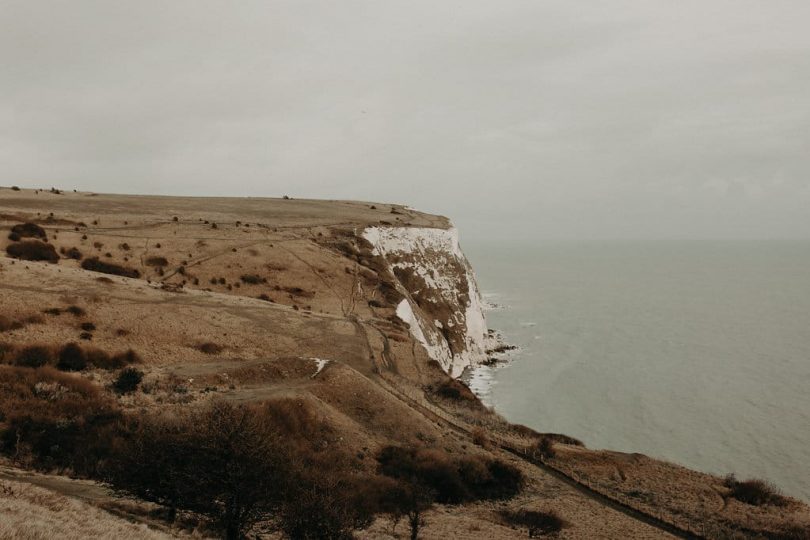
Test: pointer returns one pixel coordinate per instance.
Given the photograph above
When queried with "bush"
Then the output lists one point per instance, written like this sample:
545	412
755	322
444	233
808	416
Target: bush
456	390
76	311
33	250
34	356
7	324
563	439
223	462
157	261
29	230
72	358
538	523
545	447
754	492
14	237
330	506
54	420
74	253
209	348
252	279
94	264
453	481
88	326
128	380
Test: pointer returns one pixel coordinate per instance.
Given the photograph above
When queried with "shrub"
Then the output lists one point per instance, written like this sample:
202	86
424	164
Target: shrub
480	438
102	360
563	439
128	380
252	279
34	356
72	358
74	253
754	492
52	311
76	311
223	462
453	481
538	523
209	348
94	264
29	230
15	188
545	447
54	420
157	261
14	237
88	326
455	390
33	250
7	324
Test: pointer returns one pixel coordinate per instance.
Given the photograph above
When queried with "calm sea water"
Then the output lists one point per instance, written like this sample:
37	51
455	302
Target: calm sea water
694	352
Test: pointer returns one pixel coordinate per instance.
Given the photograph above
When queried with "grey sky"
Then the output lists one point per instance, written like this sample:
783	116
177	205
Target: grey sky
539	118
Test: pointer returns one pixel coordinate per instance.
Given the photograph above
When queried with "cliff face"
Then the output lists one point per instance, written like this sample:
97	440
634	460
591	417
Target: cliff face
442	305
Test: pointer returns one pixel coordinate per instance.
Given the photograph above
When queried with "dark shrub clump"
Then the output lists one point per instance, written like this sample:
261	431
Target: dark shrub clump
74	253
157	261
209	348
76	311
95	265
452	480
33	250
128	380
33	356
754	492
538	523
72	358
29	230
252	279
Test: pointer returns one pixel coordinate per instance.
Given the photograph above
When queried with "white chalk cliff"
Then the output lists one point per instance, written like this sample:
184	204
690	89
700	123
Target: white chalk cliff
442	304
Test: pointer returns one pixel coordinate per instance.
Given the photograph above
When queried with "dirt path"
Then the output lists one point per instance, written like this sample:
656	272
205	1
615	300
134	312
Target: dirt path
592	494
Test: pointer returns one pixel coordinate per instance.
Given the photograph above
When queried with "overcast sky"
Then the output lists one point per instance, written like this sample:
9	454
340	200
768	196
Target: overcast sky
538	119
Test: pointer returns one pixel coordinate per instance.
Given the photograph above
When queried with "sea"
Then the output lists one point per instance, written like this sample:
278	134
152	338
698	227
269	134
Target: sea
695	352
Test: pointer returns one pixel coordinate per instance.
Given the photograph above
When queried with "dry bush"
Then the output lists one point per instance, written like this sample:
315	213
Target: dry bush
72	358
223	462
538	523
74	253
563	439
87	326
455	390
251	279
7	324
480	438
94	264
29	230
76	311
34	356
454	480
33	250
128	380
54	420
209	348
754	492
156	261
545	447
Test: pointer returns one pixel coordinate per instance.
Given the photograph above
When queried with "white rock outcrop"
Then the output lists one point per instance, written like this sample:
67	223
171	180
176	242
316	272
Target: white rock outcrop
442	304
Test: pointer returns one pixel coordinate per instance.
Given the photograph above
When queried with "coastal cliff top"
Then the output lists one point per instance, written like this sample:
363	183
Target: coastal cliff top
265	212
